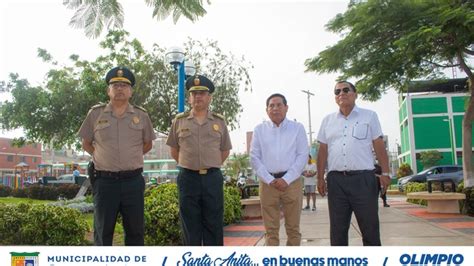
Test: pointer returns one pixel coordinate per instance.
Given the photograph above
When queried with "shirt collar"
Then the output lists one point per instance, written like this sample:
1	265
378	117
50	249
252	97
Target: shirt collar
282	124
108	108
354	111
209	115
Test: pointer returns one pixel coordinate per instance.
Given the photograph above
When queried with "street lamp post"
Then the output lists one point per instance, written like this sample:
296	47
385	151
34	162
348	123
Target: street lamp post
175	56
451	139
309	94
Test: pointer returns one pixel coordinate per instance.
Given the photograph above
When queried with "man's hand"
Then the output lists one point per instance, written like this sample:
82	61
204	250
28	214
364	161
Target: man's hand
322	189
384	182
279	183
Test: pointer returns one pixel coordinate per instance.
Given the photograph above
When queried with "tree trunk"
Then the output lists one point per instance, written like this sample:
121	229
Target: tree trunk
468	163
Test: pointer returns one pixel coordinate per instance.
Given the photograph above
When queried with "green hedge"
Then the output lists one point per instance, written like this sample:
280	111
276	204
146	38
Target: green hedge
26	224
416	187
232	207
467	206
37	191
162	226
161	216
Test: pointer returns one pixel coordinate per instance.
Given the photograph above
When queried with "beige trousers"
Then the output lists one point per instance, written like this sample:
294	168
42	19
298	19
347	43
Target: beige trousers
290	201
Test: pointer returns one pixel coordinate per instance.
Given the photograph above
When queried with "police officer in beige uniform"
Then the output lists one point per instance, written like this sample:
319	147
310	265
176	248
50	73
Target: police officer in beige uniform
199	141
117	135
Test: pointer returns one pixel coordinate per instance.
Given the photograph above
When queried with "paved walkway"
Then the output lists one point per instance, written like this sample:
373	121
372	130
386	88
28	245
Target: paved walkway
402	224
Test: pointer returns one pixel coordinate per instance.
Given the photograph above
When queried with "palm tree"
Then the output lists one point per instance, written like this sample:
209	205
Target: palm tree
93	15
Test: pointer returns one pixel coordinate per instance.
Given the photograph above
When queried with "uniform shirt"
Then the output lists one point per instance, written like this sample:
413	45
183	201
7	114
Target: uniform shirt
310	181
118	141
199	146
278	149
349	139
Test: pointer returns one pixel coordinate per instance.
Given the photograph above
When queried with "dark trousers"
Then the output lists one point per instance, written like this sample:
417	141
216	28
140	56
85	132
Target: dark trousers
113	196
201	207
358	194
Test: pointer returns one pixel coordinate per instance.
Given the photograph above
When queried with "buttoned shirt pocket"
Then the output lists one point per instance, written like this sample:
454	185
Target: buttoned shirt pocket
360	131
102	130
215	137
136	131
184	137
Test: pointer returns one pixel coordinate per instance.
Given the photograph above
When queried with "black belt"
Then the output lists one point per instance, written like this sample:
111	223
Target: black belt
278	175
201	171
120	174
353	172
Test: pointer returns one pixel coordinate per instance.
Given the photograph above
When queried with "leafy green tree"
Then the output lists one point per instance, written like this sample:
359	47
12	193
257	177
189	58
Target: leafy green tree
236	164
53	113
386	44
404	170
93	15
430	158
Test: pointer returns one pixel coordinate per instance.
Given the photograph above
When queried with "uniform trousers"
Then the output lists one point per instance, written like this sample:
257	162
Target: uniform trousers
291	200
119	195
353	193
201	207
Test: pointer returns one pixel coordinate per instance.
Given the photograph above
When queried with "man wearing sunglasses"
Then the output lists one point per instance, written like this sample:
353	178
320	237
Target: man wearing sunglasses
346	139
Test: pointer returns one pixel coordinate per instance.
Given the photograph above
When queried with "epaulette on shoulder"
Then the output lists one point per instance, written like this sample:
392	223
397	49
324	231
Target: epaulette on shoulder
218	116
140	108
182	115
98	105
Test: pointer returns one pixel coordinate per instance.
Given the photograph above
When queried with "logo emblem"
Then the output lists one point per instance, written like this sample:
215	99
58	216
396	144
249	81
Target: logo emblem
136	120
197	81
25	258
215	127
120	73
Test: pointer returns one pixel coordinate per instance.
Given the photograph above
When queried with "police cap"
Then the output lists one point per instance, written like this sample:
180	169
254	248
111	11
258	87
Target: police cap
199	83
120	74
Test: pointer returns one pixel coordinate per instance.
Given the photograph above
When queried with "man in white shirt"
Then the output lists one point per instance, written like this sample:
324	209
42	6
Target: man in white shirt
309	181
278	154
346	140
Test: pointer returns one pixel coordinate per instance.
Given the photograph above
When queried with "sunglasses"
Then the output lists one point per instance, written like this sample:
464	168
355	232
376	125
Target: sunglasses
345	90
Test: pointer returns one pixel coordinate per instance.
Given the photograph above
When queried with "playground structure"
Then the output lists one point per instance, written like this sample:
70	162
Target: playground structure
21	177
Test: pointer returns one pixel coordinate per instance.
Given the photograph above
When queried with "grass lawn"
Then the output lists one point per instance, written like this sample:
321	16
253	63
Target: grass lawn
12	200
118	232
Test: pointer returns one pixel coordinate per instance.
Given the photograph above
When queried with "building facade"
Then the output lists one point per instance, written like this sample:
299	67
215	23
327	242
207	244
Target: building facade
430	118
11	157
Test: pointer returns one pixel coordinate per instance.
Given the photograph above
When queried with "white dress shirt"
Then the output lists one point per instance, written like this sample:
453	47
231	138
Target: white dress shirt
349	139
277	149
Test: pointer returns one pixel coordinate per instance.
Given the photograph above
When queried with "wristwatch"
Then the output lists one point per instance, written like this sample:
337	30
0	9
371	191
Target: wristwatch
386	174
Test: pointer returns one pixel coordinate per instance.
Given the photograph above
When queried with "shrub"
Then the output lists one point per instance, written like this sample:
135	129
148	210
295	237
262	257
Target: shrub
161	216
232	208
5	191
404	170
20	193
162	225
68	191
416	187
467	206
26	224
42	192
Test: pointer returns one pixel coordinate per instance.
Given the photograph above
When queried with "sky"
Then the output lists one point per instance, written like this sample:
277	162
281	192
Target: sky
276	37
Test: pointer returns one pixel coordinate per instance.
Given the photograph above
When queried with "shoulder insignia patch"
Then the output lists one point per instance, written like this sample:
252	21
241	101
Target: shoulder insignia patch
219	116
182	115
140	108
98	105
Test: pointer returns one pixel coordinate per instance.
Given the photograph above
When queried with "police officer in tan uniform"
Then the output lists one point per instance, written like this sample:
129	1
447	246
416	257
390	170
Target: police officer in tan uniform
117	135
199	141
